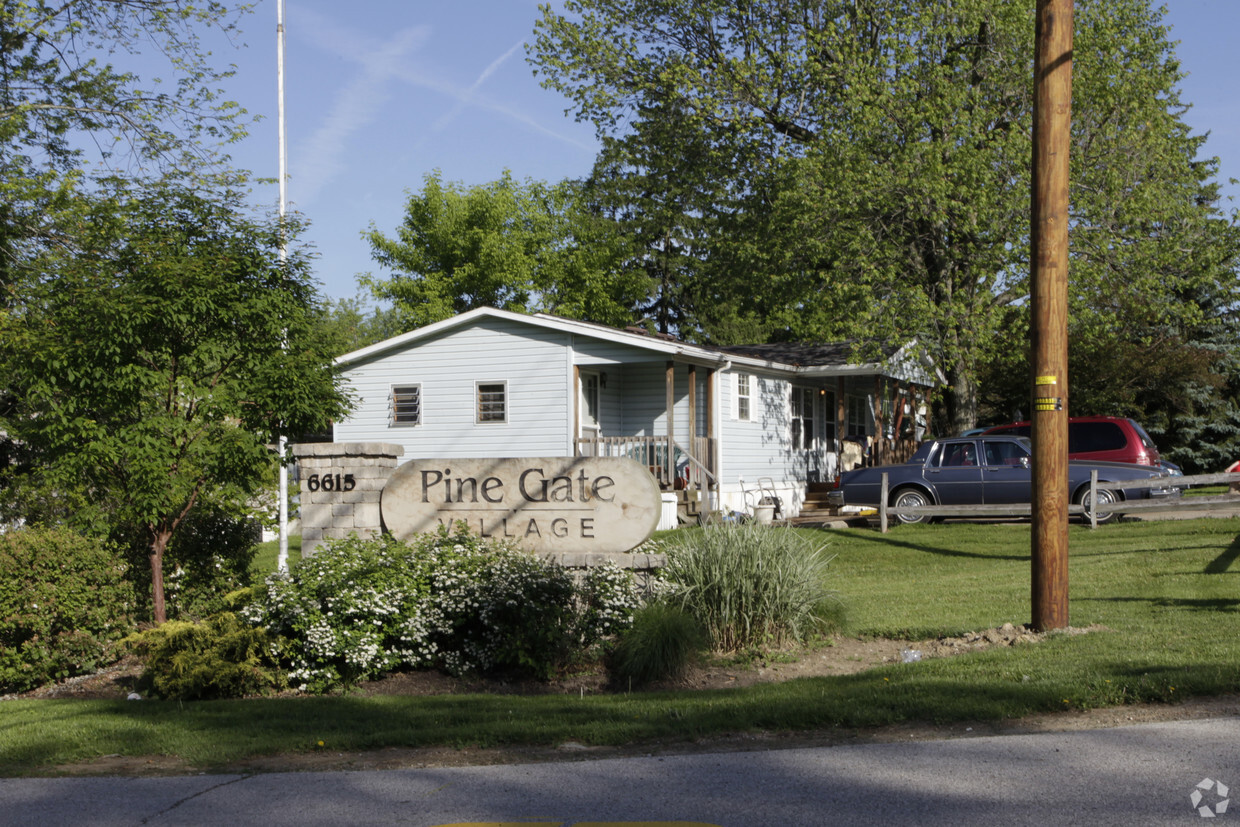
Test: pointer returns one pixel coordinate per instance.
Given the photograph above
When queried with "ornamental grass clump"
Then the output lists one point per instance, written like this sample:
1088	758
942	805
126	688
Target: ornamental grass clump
750	585
661	644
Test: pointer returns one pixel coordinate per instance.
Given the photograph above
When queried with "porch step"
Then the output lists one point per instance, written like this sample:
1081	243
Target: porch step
815	499
817	510
826	519
816	496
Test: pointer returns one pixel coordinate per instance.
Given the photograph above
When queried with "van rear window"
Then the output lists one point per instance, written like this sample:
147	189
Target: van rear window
1084	437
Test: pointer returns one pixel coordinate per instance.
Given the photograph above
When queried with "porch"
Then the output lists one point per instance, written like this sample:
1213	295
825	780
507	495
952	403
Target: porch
673	466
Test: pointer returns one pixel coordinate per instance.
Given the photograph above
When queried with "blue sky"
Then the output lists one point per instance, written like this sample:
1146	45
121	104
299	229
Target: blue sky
380	93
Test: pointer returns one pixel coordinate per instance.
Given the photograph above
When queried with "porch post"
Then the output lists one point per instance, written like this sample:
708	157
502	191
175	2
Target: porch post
713	381
671	423
897	401
880	443
576	447
693	409
841	417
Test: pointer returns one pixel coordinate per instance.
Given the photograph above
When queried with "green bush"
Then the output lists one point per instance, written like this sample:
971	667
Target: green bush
209	556
450	600
512	612
662	643
212	555
750	585
63	601
221	657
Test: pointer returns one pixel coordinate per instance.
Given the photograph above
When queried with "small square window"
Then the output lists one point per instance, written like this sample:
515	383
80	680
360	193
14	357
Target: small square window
407	405
492	402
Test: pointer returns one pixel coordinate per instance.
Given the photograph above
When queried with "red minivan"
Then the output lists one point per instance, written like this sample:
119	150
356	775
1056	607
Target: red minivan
1107	438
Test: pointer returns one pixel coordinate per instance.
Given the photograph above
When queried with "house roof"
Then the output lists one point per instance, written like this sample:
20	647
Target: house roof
806	354
826	359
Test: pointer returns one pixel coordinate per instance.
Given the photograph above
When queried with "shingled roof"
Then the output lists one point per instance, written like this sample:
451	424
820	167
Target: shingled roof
804	354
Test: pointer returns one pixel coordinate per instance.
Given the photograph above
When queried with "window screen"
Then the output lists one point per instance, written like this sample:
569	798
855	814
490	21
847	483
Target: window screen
407	405
492	402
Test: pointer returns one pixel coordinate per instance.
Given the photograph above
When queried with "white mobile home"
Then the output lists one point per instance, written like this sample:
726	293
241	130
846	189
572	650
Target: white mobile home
491	383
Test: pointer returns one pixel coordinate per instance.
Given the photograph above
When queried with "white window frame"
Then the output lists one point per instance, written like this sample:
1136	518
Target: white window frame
802	414
744	394
479	419
395	403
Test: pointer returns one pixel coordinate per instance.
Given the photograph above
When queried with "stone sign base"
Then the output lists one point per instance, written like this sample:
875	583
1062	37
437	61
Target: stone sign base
342	484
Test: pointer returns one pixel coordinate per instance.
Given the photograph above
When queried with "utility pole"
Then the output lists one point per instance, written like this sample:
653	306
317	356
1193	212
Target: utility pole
282	558
1052	120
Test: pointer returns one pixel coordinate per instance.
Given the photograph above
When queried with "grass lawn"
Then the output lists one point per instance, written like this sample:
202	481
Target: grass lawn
1164	596
268	554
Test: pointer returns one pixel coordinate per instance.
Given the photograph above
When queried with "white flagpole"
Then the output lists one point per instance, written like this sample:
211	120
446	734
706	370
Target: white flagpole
282	559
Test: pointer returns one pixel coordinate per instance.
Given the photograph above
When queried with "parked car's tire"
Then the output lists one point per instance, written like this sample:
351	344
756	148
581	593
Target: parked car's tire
910	498
1105	498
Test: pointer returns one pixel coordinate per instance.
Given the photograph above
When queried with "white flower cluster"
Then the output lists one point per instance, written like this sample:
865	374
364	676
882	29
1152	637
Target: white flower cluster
359	608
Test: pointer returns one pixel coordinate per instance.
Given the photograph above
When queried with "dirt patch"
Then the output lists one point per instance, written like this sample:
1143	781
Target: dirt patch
842	656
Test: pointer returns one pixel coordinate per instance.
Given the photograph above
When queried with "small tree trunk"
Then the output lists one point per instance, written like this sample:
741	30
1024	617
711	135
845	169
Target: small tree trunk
960	402
158	545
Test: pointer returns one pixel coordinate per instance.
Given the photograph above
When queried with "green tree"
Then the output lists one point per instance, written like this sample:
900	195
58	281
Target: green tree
60	81
352	324
516	246
884	157
662	205
156	358
72	107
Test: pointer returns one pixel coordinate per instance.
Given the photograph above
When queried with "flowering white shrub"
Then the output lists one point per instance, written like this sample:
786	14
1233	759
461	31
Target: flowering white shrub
359	608
609	597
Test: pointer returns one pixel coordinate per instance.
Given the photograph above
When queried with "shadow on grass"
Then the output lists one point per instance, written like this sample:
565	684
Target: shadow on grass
1213	604
893	542
213	733
1222	563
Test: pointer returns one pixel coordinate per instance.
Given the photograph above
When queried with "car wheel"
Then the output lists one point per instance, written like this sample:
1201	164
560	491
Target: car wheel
910	498
1105	498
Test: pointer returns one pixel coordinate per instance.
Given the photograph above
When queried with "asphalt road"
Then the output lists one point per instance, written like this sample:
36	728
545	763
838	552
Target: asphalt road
1143	774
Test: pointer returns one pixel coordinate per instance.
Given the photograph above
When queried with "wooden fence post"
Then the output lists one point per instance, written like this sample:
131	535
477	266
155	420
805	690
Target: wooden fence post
882	505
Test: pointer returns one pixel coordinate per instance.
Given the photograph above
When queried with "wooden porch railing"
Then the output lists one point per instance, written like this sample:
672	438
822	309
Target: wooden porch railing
893	451
675	468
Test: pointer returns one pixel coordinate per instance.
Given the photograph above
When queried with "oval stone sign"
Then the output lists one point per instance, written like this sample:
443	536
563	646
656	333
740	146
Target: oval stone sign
546	504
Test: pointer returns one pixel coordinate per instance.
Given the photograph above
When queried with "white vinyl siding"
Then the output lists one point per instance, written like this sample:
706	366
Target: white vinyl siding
761	447
528	360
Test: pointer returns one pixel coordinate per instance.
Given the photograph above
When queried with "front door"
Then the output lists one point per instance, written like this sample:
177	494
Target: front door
590	406
805	432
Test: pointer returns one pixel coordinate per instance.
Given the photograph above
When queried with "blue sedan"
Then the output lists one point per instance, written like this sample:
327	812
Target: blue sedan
983	470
